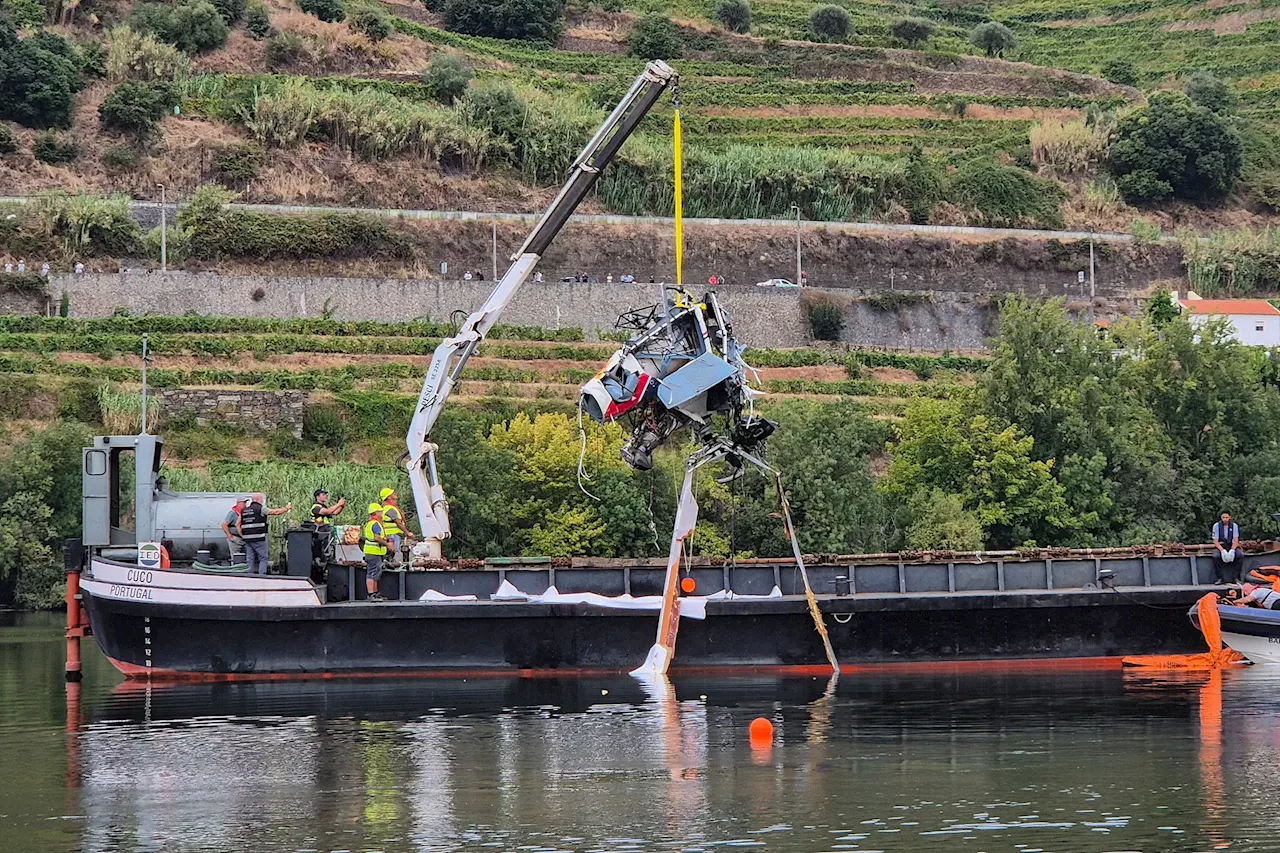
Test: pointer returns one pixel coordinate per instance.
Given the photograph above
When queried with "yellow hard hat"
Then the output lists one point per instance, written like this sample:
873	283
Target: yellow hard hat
386	493
375	508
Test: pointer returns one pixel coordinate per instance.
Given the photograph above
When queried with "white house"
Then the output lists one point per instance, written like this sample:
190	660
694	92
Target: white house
1256	321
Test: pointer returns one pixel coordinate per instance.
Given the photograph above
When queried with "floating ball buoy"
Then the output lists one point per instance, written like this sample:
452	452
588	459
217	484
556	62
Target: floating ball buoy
761	731
604	692
687	585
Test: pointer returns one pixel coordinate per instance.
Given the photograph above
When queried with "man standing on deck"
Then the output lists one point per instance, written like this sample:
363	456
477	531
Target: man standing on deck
375	552
392	523
253	530
1226	553
321	512
230	526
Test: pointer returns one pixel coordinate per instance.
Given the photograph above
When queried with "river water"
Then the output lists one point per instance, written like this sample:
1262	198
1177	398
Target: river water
1019	760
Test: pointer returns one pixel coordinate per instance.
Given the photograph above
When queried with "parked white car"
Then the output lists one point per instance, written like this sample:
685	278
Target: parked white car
777	282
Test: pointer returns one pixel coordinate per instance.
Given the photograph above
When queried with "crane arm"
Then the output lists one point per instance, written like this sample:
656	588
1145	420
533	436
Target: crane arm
452	354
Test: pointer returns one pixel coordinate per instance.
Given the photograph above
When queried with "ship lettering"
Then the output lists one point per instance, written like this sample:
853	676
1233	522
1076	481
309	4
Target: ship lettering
120	590
139	576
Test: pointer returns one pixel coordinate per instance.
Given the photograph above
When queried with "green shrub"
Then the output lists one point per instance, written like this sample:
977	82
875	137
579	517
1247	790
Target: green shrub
93	59
26	14
993	37
529	20
654	37
325	426
8	140
286	49
257	22
239	164
38	76
54	148
922	186
498	109
1006	197
193	27
830	23
217	231
826	321
1175	148
1120	69
326	10
373	25
230	10
141	56
447	78
912	31
137	107
120	158
1210	92
734	15
88	224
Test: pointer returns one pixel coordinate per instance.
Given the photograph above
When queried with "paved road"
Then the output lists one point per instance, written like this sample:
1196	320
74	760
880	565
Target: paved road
148	214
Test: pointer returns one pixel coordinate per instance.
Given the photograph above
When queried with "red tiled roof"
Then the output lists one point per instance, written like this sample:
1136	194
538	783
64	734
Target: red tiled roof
1228	306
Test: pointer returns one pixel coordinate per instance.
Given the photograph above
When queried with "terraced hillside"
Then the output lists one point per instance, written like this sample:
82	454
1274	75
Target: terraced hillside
316	111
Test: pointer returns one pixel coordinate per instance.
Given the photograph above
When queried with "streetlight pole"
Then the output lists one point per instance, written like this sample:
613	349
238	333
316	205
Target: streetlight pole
164	245
799	272
494	225
144	385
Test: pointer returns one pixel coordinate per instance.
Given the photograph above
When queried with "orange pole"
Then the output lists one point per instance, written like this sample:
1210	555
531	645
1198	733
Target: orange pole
74	629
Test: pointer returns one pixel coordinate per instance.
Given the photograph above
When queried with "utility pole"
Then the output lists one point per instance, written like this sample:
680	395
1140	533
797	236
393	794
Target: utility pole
1093	289
799	269
144	385
164	257
494	223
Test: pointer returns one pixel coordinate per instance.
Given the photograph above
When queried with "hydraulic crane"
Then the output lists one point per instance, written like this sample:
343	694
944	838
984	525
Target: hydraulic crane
451	355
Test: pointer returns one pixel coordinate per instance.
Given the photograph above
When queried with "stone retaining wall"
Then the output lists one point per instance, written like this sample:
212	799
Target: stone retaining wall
257	411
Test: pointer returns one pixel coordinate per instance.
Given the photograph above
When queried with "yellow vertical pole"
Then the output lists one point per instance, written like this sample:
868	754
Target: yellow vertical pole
679	164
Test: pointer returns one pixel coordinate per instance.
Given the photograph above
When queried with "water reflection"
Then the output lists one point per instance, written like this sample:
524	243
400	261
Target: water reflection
1016	761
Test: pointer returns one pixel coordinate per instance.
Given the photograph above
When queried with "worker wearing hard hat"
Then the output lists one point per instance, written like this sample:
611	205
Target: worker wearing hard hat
392	522
375	552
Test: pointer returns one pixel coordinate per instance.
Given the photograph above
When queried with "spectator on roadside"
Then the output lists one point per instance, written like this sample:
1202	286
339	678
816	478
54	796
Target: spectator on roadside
466	276
44	270
22	266
1226	553
79	268
8	266
537	277
609	278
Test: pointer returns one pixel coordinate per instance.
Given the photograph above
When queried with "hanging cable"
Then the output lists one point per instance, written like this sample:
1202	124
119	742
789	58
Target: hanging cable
582	456
678	156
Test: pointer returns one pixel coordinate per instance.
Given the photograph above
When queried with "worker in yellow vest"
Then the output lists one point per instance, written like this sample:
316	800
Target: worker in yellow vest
392	523
375	552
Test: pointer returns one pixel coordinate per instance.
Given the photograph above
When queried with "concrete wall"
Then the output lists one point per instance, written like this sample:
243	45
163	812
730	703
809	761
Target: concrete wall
765	317
256	411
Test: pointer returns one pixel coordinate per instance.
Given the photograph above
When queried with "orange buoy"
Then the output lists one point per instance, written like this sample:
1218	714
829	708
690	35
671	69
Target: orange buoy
687	585
761	732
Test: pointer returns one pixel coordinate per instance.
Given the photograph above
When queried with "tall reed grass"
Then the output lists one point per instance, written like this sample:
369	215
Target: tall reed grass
122	410
1232	262
1067	148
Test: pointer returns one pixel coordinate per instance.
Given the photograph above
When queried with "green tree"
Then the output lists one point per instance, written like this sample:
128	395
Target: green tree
498	109
922	183
1161	309
1120	69
331	11
654	37
1209	91
373	25
230	10
912	31
447	77
993	37
529	20
40	496
193	27
257	22
25	14
939	520
8	141
38	76
830	23
989	464
734	15
54	148
137	108
1175	148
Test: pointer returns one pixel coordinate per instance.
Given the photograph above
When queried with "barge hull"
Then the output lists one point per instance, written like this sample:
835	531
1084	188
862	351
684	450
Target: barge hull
148	639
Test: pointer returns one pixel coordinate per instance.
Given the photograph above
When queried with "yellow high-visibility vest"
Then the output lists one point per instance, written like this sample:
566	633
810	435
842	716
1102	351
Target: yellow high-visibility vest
371	545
